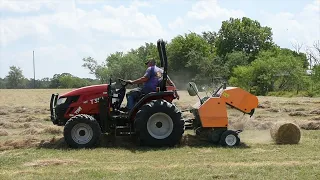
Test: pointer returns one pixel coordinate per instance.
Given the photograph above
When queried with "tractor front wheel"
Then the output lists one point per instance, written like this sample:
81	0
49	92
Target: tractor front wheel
82	131
159	123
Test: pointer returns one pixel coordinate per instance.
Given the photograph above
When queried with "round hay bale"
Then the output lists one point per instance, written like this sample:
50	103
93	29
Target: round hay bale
285	133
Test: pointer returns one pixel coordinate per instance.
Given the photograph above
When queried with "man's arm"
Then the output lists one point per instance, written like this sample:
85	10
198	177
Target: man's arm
142	79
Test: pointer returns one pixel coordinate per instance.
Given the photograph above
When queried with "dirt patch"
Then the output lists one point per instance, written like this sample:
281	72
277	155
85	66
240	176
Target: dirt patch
50	162
3	132
298	113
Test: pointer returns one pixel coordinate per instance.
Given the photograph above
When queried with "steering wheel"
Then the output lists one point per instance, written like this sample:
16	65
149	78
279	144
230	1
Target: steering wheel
123	82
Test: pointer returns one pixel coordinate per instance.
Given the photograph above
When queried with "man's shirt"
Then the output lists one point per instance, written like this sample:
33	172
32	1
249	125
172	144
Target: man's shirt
153	74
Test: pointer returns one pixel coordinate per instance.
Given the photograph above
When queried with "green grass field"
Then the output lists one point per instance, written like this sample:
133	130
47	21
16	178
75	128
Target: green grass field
32	148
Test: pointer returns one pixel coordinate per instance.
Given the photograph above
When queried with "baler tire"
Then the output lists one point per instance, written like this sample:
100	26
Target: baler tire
89	124
146	124
232	135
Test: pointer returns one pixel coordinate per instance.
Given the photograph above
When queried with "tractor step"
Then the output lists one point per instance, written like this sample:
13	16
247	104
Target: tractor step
123	131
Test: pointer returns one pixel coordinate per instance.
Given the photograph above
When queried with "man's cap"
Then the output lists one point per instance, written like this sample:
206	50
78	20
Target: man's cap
150	60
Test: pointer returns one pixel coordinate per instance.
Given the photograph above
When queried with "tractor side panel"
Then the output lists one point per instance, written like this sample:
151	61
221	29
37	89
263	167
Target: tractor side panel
87	104
240	99
213	113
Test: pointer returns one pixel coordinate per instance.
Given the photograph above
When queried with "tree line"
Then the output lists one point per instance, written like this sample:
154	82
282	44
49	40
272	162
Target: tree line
16	80
242	53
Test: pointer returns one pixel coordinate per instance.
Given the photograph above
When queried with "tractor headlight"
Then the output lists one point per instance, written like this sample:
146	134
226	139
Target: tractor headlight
61	100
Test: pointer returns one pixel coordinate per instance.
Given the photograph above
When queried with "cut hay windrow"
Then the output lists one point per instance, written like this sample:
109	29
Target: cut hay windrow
285	133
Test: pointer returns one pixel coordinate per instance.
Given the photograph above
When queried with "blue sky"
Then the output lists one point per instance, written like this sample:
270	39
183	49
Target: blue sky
63	32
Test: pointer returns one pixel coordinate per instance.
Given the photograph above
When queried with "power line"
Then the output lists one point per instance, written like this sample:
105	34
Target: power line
34	73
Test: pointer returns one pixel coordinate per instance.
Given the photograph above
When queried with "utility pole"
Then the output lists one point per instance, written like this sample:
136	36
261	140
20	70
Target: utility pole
34	73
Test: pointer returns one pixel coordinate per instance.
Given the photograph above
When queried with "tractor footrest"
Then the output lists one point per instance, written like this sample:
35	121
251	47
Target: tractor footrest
123	131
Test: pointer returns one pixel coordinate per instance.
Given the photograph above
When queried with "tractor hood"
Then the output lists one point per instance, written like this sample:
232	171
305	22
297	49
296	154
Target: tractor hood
87	90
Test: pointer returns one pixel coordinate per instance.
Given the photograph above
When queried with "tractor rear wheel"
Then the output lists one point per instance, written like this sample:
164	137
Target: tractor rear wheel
159	123
82	131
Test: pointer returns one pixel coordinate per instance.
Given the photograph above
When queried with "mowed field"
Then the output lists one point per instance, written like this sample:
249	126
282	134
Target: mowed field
32	148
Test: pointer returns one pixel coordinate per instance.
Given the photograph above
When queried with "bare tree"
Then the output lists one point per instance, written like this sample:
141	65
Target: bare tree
313	53
297	46
316	46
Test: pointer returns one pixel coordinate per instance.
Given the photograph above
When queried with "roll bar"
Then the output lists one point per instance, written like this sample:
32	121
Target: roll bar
163	63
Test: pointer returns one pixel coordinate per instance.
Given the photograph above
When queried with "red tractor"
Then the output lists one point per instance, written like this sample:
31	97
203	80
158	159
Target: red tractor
89	111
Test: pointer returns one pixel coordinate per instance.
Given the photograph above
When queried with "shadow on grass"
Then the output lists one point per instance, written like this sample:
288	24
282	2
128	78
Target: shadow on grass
131	144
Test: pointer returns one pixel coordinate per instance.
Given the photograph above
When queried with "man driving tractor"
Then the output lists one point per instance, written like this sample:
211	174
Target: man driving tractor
151	80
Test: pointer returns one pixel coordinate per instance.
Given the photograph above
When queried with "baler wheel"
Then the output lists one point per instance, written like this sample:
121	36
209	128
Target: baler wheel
229	138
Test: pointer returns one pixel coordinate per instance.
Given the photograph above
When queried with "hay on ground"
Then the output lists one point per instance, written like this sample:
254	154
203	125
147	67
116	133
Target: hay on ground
264	105
3	112
310	126
52	130
273	110
3	132
30	131
285	133
317	111
315	118
298	113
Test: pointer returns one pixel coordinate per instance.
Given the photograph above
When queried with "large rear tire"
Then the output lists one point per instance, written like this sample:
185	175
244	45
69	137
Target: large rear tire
159	123
82	131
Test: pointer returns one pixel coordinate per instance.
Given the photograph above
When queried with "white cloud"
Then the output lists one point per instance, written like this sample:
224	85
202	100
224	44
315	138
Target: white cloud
126	22
178	23
302	27
212	10
204	15
137	3
20	6
96	33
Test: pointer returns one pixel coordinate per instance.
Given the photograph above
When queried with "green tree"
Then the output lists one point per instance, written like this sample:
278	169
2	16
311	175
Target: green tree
3	83
210	37
186	56
121	65
235	59
243	35
44	83
15	78
271	71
